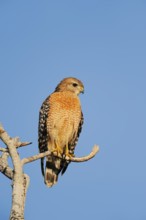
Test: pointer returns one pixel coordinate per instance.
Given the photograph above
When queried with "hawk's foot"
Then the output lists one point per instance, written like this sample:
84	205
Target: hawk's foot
57	150
67	153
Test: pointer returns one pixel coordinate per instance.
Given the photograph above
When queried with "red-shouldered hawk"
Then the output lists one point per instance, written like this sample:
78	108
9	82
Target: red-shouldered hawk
60	124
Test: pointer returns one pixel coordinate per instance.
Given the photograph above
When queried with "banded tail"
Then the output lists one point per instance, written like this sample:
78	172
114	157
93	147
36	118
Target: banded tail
53	167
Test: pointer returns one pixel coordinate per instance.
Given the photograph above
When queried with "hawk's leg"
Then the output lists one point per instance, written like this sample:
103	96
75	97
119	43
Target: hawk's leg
67	154
57	149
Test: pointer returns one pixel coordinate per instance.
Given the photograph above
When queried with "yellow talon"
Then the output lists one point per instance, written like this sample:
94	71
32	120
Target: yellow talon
57	149
67	154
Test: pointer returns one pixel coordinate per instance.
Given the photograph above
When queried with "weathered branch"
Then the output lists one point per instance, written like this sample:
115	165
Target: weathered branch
94	151
35	157
4	168
72	159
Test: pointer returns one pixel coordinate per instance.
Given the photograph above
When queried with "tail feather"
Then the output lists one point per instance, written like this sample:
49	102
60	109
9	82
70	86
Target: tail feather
53	168
50	177
65	165
42	166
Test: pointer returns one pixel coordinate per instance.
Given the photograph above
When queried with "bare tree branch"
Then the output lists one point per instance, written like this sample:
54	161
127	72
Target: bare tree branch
35	157
4	167
72	159
94	151
6	170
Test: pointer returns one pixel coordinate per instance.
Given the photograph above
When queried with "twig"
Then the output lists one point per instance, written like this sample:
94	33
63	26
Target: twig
94	151
3	149
23	144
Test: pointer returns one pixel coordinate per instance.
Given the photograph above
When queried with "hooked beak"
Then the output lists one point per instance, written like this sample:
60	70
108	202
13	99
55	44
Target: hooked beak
82	90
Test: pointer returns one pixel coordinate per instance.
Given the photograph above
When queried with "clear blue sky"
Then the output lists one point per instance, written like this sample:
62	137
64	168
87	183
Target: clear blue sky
103	43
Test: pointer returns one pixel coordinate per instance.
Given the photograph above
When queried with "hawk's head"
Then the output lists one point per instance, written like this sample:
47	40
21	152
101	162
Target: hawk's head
70	84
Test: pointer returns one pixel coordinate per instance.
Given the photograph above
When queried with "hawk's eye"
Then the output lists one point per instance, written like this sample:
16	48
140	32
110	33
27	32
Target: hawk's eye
75	84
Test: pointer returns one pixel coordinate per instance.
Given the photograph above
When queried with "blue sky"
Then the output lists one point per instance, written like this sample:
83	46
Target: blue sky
103	43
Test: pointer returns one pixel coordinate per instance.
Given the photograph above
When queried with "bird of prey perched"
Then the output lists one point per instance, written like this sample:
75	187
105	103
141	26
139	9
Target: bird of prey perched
60	124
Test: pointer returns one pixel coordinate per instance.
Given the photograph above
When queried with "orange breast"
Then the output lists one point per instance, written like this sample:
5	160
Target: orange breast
64	117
